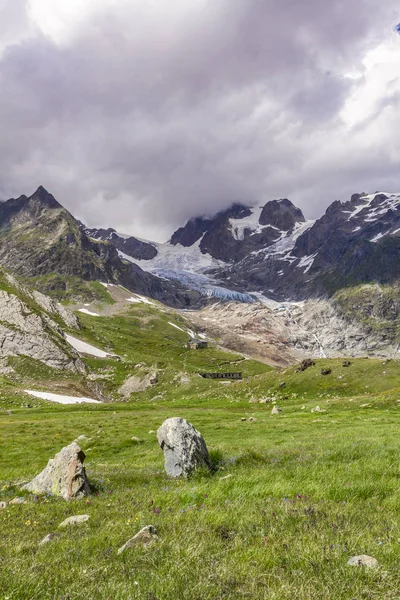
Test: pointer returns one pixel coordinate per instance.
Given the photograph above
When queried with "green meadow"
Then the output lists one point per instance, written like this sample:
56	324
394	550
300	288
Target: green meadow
292	497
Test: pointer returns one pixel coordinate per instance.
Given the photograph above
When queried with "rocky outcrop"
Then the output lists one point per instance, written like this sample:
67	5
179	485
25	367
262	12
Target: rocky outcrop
282	214
128	245
63	476
183	446
135	384
27	328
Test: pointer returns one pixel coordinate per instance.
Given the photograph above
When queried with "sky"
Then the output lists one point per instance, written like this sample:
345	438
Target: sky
142	114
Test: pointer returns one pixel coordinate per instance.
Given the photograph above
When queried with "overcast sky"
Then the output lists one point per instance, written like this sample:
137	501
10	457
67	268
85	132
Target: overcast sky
139	114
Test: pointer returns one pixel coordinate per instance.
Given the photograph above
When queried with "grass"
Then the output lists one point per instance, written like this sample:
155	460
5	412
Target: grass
293	497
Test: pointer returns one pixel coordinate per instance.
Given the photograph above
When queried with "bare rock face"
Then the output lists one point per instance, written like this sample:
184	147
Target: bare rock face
136	384
64	475
183	446
28	332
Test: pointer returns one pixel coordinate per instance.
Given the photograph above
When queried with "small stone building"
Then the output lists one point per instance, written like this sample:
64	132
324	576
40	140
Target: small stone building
234	376
196	344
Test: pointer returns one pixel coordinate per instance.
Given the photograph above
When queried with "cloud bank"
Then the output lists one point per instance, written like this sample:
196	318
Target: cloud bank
140	115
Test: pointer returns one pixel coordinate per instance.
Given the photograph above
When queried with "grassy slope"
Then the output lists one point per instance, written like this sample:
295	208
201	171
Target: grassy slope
308	490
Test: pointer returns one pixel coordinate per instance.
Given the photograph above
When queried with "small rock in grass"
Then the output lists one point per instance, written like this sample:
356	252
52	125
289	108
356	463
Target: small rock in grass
303	408
252	419
76	520
326	371
283	384
49	538
276	410
151	431
243	419
226	477
81	437
144	537
18	500
316	409
347	363
363	561
136	440
3	504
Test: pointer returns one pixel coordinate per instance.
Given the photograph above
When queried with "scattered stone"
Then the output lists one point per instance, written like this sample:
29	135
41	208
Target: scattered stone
18	500
144	537
136	440
243	419
49	538
305	364
151	431
76	520
365	405
326	371
183	446
266	400
63	476
346	363
252	419
276	410
316	409
9	412
363	561
303	408
254	401
81	438
283	384
3	505
158	397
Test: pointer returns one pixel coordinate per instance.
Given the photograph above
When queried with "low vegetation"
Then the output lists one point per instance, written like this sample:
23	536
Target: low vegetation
292	498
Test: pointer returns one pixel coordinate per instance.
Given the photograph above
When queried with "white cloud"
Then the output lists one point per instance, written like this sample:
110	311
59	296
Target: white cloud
139	114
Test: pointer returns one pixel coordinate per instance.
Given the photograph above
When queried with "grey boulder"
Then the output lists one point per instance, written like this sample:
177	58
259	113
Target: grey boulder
363	561
75	520
183	446
144	537
63	476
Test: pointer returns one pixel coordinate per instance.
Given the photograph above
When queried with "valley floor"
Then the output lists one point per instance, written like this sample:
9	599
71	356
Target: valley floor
293	497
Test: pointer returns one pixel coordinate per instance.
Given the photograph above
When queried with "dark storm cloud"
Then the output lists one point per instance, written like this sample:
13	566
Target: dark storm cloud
145	117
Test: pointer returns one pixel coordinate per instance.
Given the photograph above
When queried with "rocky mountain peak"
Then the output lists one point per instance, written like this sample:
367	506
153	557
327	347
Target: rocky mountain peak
282	214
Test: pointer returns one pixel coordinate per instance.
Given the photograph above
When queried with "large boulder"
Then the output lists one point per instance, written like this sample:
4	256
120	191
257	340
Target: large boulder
184	447
63	476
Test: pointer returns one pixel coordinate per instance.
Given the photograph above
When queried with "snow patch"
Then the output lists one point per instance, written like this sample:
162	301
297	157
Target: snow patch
61	399
88	312
307	262
176	326
140	300
85	348
378	237
250	223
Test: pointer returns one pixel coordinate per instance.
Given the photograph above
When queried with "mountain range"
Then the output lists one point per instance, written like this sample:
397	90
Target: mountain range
272	251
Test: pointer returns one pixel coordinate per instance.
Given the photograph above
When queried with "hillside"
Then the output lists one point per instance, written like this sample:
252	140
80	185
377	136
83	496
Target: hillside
293	496
42	242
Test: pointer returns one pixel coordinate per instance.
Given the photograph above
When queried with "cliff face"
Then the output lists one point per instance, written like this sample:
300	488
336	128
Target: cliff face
32	325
